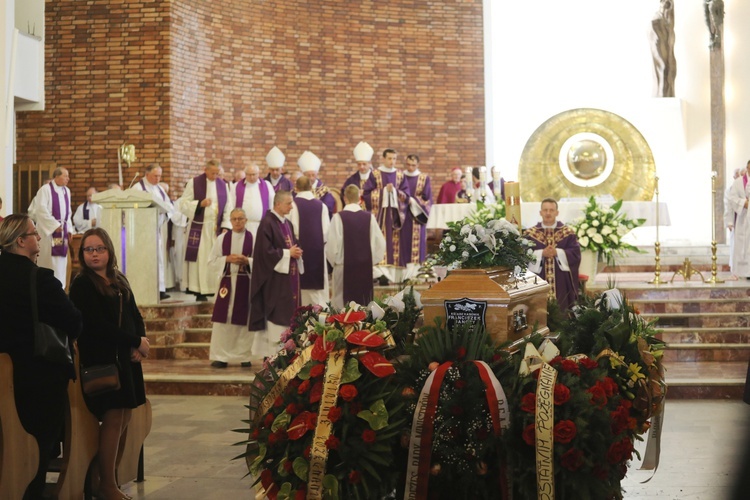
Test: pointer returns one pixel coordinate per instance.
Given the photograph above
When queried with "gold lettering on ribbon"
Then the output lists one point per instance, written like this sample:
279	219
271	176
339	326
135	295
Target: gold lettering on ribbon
545	421
288	374
318	450
415	450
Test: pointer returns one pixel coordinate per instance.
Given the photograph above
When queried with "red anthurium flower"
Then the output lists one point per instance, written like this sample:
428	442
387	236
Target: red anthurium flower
316	392
299	426
365	338
377	364
348	317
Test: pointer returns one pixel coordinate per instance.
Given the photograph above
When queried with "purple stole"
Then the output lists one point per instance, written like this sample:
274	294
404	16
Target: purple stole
357	257
311	241
196	226
262	187
143	185
60	236
293	271
241	310
283	183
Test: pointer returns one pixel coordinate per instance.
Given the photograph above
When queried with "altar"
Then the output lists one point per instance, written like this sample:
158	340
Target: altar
442	214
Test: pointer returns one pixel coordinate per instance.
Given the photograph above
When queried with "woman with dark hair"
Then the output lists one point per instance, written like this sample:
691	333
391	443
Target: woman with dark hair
113	332
40	386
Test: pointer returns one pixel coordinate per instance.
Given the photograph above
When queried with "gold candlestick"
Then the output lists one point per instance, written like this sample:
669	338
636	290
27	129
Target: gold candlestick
657	246
513	203
713	280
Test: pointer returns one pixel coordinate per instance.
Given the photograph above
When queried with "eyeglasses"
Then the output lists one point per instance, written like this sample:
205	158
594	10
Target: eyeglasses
35	233
94	249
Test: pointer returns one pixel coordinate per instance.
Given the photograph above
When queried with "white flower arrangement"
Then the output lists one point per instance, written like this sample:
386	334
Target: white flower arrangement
601	229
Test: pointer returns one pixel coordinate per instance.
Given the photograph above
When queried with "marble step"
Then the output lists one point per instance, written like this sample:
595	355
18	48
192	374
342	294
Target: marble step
660	307
679	353
167	324
190	350
202	321
700	319
679	335
199	335
165	338
640	291
176	309
706	380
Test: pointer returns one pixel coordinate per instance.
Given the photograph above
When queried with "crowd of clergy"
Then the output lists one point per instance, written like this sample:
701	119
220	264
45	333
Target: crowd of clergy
264	246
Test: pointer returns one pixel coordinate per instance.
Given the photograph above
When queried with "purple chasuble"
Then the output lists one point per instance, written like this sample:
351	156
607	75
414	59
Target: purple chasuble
283	184
262	187
357	257
200	188
241	309
390	219
60	236
311	242
563	284
293	270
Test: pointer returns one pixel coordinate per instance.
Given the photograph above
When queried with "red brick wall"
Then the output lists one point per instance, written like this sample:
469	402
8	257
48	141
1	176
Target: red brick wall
190	80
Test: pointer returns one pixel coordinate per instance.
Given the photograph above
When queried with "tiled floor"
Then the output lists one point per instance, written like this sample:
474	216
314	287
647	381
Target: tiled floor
189	451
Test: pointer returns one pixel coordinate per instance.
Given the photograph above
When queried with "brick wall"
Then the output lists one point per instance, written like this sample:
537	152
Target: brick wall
189	80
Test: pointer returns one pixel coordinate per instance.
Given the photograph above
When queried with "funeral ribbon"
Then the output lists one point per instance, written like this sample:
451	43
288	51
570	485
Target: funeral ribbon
278	388
318	449
544	424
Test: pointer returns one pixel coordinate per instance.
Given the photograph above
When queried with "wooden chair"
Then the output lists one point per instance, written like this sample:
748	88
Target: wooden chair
80	444
19	452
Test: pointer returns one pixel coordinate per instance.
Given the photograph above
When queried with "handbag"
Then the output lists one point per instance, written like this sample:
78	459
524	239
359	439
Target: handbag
101	379
50	343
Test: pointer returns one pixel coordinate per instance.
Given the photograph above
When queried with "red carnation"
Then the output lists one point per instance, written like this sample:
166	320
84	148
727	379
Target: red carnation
256	433
461	352
562	394
555	361
333	443
620	451
316	392
610	386
564	432
369	436
572	459
355	477
528	403
529	434
598	395
570	366
334	414
278	402
317	370
588	363
348	392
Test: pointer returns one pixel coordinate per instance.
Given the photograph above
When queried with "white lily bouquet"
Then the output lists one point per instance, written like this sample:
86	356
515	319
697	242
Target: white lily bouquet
601	229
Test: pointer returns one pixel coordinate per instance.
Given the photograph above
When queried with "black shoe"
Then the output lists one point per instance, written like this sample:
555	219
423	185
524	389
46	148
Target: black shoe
163	295
246	364
218	364
201	298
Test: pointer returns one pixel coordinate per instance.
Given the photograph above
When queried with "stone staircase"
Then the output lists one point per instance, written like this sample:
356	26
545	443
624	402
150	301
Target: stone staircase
706	329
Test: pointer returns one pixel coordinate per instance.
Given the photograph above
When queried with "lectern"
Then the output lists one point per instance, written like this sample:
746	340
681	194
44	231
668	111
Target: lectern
132	220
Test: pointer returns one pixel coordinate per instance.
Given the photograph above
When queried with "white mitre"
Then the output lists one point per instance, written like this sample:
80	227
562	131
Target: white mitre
275	158
308	162
363	152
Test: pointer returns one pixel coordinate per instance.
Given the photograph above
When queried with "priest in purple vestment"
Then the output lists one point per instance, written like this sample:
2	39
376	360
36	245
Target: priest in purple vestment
309	165
355	245
274	286
275	161
310	219
363	177
557	254
389	200
254	195
88	214
205	202
231	258
413	231
51	211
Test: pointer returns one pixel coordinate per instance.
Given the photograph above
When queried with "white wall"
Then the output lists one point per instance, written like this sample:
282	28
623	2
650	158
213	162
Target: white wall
547	56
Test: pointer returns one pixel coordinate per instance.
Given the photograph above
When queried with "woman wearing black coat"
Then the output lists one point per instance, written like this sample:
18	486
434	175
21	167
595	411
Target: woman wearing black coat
113	332
40	386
